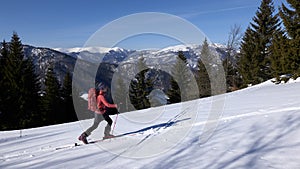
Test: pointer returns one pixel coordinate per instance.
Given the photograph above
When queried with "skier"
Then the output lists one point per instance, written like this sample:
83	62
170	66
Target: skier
102	113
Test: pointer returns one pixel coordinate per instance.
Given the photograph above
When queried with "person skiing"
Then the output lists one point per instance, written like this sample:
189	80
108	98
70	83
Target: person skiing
104	109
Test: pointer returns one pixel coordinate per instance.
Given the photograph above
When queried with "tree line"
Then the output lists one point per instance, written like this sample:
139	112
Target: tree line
23	102
270	47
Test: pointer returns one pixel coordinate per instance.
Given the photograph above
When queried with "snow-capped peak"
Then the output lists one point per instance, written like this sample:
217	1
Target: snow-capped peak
89	49
218	45
182	47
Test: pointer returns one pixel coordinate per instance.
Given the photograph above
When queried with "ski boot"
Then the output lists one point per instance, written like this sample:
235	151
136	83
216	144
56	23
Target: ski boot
83	137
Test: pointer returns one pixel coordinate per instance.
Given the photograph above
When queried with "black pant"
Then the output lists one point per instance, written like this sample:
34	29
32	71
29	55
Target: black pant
98	118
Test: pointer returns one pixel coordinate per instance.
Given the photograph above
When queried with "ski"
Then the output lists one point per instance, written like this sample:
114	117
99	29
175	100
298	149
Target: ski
76	144
96	141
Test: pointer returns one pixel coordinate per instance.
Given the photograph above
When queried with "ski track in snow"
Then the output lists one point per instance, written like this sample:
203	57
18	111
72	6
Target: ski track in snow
148	136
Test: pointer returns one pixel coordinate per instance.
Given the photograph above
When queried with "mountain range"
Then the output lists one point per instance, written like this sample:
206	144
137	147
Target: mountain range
64	59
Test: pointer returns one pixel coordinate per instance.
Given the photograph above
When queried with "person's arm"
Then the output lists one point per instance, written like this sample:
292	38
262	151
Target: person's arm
100	98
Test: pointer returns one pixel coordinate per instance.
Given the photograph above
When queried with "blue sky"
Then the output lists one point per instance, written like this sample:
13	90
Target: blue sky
63	23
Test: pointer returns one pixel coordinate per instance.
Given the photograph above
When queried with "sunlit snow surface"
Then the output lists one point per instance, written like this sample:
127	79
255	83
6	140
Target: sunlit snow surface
259	128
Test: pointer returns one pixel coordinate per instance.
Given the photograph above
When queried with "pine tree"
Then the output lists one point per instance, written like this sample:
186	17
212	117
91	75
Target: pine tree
139	90
205	52
10	83
51	101
3	62
181	89
4	95
265	25
203	77
248	64
203	80
138	87
278	58
14	71
233	79
291	18
21	87
291	21
256	44
15	64
31	89
68	111
174	92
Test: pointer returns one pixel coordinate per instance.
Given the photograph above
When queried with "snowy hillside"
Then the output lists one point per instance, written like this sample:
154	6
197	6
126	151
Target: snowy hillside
44	57
258	128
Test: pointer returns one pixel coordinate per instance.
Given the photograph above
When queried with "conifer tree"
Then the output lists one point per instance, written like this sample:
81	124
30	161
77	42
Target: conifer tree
203	77
68	111
138	87
181	89
205	52
174	92
30	92
278	59
15	64
265	25
203	80
139	90
248	64
257	42
4	114
233	79
291	20
51	101
21	87
3	62
11	70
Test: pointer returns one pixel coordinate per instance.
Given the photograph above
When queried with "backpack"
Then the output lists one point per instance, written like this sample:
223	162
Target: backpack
92	100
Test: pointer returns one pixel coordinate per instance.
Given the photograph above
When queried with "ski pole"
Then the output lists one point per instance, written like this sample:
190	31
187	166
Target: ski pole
112	132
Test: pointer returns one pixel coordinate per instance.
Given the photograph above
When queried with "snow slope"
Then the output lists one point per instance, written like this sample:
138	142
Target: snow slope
258	128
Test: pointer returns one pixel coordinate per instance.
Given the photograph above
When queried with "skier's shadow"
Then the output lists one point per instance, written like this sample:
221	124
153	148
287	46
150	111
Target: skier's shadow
154	127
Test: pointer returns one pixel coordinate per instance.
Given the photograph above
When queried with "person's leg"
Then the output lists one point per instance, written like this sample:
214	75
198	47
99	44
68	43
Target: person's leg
108	126
98	118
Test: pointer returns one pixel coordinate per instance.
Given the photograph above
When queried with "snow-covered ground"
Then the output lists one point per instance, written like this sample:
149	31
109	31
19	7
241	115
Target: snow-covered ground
258	128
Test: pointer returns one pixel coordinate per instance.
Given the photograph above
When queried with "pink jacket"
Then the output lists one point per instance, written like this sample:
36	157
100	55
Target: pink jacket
102	103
